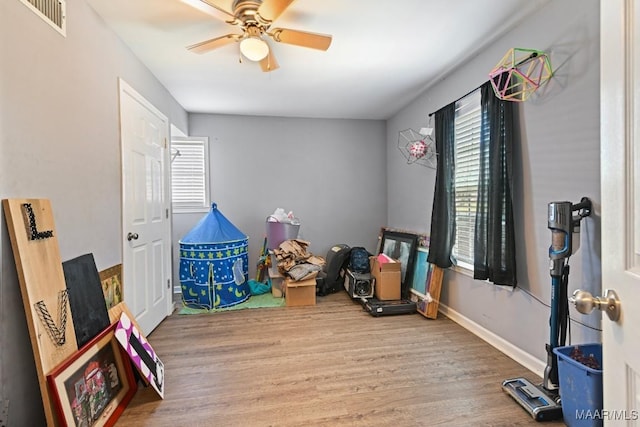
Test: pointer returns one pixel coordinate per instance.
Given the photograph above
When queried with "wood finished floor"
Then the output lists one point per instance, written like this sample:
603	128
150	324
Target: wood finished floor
326	365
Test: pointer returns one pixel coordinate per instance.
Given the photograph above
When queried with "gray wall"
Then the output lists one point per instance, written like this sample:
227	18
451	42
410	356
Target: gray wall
330	173
558	160
59	139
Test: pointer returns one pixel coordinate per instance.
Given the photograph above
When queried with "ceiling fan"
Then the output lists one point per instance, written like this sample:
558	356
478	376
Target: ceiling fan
254	18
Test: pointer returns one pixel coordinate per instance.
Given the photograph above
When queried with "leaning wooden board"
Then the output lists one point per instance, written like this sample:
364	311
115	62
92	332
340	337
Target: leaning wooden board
429	302
37	256
435	285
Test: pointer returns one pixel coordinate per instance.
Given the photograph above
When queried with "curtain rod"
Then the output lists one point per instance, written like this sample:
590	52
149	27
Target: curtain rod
528	58
466	94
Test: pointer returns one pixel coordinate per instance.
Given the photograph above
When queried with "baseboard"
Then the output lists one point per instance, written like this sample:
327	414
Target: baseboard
525	359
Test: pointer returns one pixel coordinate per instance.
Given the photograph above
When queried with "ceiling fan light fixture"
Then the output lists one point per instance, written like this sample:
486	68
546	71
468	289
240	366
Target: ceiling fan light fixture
254	48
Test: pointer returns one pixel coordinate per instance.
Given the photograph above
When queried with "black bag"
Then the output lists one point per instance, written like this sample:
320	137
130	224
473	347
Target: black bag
359	260
337	259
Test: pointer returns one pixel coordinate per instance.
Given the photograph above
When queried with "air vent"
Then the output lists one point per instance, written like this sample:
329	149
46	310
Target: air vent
51	11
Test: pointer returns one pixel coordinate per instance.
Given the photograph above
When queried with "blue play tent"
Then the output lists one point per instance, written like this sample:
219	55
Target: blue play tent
214	263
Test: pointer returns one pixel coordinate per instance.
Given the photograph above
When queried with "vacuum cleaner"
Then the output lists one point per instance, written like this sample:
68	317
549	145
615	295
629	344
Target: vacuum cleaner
542	401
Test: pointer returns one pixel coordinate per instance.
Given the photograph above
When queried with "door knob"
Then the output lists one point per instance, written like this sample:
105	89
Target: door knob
585	303
132	236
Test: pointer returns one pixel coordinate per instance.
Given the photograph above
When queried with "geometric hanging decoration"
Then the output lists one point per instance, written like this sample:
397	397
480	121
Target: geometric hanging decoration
418	147
520	73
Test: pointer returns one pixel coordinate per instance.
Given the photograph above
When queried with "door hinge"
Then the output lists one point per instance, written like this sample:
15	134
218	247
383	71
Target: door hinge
168	283
167	212
165	142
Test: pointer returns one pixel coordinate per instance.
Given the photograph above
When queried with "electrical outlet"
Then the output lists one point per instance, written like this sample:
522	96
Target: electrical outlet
4	413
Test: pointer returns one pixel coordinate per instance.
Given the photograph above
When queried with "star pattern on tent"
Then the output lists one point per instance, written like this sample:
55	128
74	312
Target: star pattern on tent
208	277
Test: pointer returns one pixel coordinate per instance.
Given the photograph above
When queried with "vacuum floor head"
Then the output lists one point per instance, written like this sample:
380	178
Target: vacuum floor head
541	404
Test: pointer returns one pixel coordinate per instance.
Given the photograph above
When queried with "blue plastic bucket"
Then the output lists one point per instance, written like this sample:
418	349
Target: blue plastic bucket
580	386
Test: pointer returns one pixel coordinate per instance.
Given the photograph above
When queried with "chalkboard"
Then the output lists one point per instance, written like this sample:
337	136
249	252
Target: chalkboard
88	307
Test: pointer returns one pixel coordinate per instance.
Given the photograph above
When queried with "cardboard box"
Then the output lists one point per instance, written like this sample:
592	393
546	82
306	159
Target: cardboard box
387	273
300	293
277	282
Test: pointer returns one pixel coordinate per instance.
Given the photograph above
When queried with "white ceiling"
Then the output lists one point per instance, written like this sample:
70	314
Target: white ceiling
383	53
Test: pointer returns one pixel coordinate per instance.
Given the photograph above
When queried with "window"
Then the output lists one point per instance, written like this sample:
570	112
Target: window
467	160
472	218
190	174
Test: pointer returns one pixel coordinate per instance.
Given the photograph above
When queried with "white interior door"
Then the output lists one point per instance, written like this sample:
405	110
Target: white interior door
620	175
146	226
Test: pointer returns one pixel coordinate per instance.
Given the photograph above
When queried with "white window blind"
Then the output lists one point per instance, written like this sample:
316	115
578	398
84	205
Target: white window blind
467	167
190	174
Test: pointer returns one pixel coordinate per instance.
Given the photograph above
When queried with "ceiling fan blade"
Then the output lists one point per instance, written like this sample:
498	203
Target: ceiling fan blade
301	38
271	9
211	7
269	63
215	43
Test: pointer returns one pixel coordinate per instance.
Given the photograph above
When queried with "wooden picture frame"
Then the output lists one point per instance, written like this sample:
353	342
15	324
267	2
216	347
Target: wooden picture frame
94	385
402	247
111	281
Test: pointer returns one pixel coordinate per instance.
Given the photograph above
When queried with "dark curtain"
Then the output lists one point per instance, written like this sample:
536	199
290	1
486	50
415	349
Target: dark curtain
443	214
494	245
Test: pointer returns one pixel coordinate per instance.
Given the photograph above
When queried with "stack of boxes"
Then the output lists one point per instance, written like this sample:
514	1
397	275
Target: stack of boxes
298	293
386	273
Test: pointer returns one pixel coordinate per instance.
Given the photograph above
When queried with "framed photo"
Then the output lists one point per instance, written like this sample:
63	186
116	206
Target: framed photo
111	280
402	247
94	385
